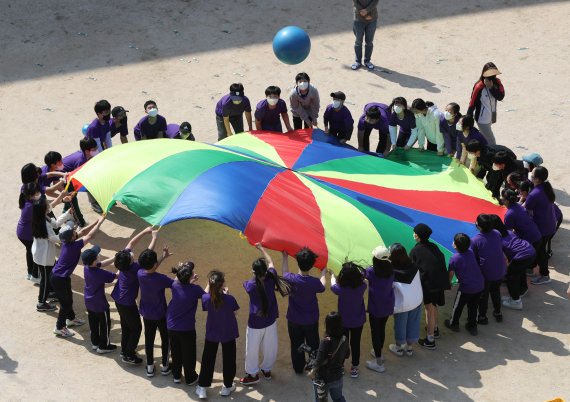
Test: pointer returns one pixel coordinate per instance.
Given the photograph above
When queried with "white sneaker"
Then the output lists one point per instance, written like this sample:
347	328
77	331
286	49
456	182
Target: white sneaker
396	349
513	304
201	392
28	277
374	366
94	347
64	332
150	370
227	391
76	322
36	281
409	351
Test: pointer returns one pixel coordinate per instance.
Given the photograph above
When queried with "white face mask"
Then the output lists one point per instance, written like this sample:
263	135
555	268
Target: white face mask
59	167
530	176
496	167
448	116
526	165
470	155
272	101
153	112
37	196
303	85
336	103
459	127
398	109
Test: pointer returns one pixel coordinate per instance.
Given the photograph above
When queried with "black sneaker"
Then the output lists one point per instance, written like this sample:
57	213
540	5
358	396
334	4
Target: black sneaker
436	334
453	327
131	359
498	316
107	349
42	307
427	344
472	329
482	320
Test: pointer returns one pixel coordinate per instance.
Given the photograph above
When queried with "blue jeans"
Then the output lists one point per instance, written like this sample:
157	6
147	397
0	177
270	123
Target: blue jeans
334	389
363	30
407	326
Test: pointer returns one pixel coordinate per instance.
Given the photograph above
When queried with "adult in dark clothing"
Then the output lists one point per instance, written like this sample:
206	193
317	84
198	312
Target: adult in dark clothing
433	273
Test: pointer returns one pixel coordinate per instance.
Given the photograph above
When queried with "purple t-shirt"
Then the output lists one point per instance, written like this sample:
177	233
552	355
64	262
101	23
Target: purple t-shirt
24	227
303	305
382	124
339	120
221	324
97	130
94	293
467	271
516	248
181	311
73	161
406	124
172	130
270	118
474	134
518	219
351	305
542	208
226	108
68	259
488	249
45	181
381	297
126	289
153	301
256	320
122	130
450	133
150	131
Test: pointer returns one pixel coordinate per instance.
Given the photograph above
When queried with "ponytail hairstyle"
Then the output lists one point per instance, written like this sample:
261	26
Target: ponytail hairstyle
184	271
510	196
540	173
260	271
350	275
39	219
216	280
28	191
456	108
499	225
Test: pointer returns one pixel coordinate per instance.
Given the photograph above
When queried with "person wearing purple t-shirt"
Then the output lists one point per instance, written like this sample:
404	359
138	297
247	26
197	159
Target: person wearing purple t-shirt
100	129
403	118
181	322
96	303
448	127
54	166
466	126
230	110
152	125
381	299
375	116
72	243
487	246
270	111
350	291
263	313
30	193
465	267
118	123
153	307
338	119
221	327
303	310
125	294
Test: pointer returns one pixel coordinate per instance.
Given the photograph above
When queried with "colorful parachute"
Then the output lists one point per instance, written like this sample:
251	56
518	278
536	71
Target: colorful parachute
292	190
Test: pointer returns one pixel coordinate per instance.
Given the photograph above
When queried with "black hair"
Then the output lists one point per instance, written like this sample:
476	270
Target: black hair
486	67
500	157
148	259
302	76
399	100
123	260
52	157
39	219
29	173
541	173
419	104
467	122
373	113
272	90
333	325
516	178
382	267
455	107
216	281
474	146
462	242
429	103
526	186
499	225
350	275
87	143
510	196
149	102
260	271
399	255
184	271
101	106
485	223
28	191
306	259
236	87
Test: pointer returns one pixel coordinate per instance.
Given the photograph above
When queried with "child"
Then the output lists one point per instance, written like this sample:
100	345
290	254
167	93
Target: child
431	262
338	119
118	123
263	313
221	327
96	303
230	110
72	243
152	125
303	309
153	307
30	193
465	267
518	220
305	102
100	129
381	301
487	246
447	126
270	111
185	132
375	116
427	123
466	133
402	117
181	322
350	291
125	294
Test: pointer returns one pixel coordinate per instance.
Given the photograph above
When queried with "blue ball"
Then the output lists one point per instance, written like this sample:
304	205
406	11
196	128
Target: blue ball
84	129
291	45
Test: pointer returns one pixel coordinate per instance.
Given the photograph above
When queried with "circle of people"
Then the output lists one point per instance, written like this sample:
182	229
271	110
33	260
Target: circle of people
397	281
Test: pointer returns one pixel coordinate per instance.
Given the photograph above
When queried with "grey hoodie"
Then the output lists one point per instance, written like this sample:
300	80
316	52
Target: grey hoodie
305	106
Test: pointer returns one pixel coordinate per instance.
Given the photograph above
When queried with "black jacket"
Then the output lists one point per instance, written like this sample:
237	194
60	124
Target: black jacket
431	264
329	367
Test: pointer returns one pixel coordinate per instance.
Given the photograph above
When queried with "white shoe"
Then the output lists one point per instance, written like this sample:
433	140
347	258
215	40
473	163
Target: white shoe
227	391
64	332
374	366
396	349
94	347
201	392
409	351
76	322
513	304
36	281
150	370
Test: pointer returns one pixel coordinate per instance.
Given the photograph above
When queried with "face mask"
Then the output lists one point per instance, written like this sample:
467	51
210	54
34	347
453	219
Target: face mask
526	165
496	167
107	118
448	116
153	112
398	109
236	102
37	197
459	127
470	155
530	176
336	104
272	101
303	85
59	167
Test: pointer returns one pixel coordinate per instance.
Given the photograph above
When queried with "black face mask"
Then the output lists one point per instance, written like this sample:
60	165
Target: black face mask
107	118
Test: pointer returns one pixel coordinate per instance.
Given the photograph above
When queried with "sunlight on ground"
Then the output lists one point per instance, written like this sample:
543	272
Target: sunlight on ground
431	380
470	346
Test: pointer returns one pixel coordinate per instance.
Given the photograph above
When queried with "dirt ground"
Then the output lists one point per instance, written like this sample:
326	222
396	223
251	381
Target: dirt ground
59	57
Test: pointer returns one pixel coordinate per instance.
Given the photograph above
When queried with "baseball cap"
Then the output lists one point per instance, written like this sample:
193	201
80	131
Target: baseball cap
381	253
90	255
117	110
185	127
533	158
423	231
338	95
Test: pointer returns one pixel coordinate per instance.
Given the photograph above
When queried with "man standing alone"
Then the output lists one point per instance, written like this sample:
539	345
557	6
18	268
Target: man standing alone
364	27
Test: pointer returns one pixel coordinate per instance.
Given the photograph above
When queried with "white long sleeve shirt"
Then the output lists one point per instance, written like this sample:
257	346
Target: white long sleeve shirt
428	127
43	250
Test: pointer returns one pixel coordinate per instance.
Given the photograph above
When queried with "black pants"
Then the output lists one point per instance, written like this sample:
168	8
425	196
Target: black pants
364	143
298	123
131	328
491	288
340	134
45	285
472	302
378	333
62	289
183	350
549	245
299	334
516	276
353	335
76	210
402	139
150	327
542	256
32	266
209	362
431	146
99	327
